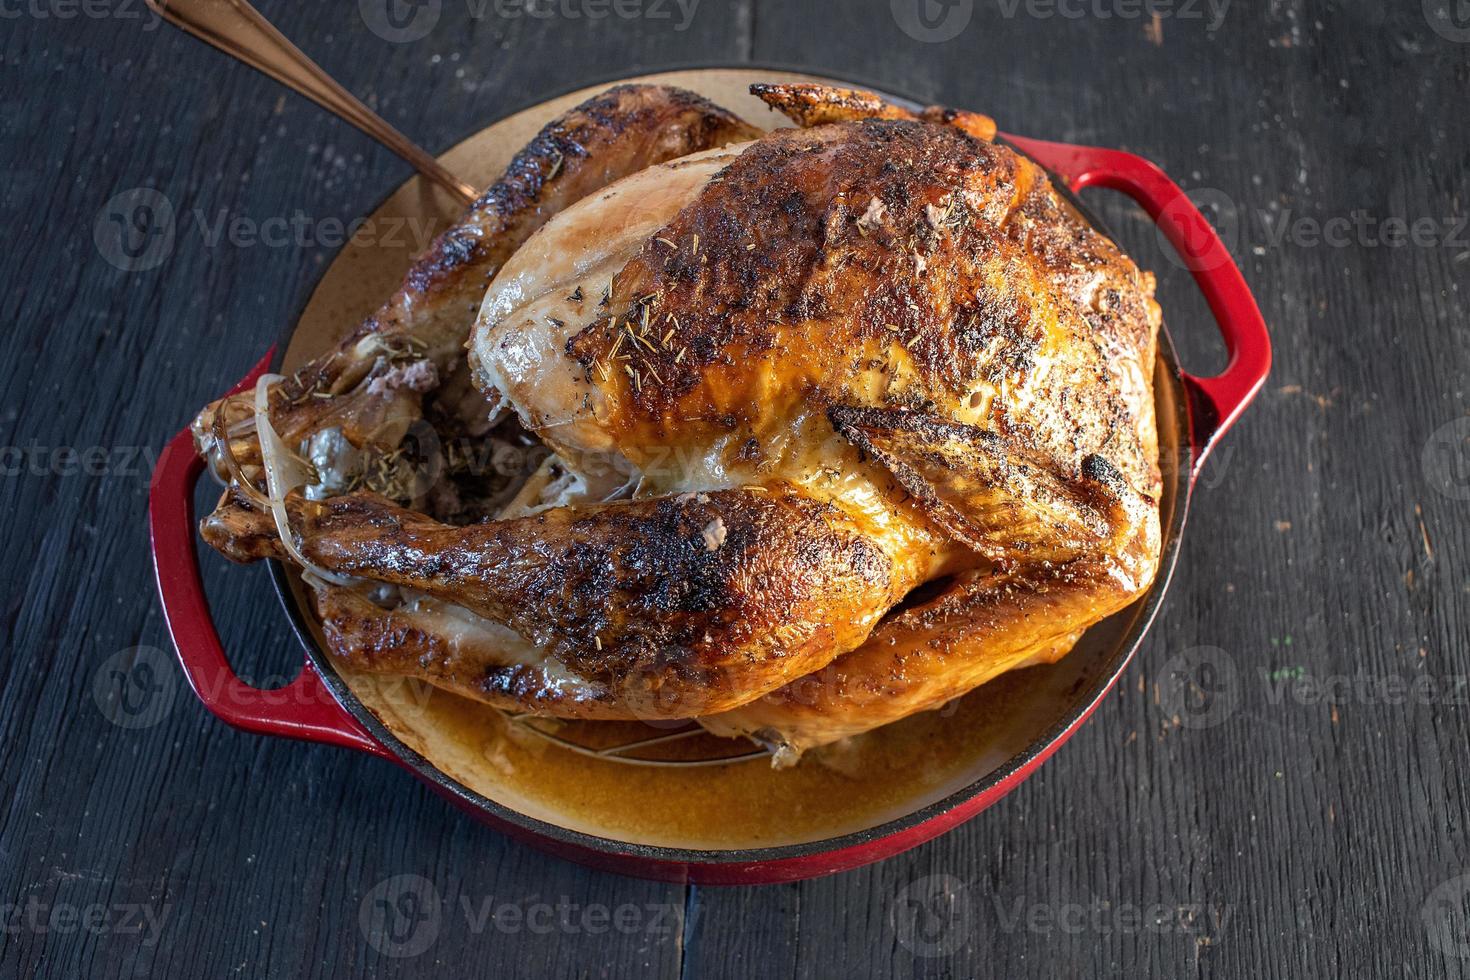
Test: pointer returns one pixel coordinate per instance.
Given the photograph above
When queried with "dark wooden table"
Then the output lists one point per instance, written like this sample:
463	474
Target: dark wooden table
1307	816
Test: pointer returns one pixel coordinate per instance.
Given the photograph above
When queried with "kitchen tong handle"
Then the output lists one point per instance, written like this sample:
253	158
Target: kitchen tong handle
1216	402
239	30
304	709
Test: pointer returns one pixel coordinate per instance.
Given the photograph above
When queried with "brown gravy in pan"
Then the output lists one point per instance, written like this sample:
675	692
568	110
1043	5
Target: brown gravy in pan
839	789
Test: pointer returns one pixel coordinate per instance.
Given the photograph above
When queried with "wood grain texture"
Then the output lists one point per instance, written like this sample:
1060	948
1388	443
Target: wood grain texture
1328	542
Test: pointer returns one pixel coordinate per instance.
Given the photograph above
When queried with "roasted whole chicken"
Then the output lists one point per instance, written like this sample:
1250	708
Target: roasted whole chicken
794	433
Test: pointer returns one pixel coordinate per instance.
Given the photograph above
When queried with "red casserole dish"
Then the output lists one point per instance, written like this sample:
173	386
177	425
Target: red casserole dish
319	706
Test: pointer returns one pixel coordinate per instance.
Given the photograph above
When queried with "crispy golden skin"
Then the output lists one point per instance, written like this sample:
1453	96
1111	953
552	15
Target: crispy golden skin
889	265
982	625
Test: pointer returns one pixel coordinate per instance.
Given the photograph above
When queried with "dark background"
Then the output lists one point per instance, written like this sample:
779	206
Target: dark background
1302	813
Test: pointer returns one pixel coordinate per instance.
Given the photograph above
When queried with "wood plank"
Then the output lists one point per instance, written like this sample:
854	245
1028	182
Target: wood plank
1326	836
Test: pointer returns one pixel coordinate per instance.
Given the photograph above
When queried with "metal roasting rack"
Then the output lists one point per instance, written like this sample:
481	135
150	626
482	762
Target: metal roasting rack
623	752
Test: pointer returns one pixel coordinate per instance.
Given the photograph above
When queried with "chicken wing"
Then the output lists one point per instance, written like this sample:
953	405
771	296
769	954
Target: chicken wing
808	104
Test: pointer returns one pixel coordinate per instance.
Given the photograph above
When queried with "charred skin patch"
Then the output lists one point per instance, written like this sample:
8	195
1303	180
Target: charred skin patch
405	643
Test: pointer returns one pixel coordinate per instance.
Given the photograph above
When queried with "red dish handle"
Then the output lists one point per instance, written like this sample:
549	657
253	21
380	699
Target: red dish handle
303	709
1216	402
